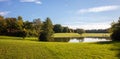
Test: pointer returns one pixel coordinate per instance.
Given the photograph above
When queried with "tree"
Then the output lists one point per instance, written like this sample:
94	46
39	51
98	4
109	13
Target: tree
65	29
29	28
3	25
47	31
57	28
20	22
1	17
80	31
12	24
37	24
115	29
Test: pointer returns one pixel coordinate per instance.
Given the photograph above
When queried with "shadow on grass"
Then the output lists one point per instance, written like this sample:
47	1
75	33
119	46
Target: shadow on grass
116	47
11	38
17	38
106	42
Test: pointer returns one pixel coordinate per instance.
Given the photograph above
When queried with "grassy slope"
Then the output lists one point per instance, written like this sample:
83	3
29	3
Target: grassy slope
83	35
24	49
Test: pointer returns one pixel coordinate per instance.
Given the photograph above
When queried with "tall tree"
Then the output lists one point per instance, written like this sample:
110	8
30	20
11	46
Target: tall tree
46	34
65	29
58	28
11	24
37	24
20	22
80	31
29	28
115	28
1	17
3	25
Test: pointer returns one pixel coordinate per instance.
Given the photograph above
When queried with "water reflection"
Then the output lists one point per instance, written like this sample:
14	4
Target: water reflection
82	39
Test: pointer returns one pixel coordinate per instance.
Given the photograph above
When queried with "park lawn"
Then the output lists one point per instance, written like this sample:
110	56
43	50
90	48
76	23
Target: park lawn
58	35
66	35
16	48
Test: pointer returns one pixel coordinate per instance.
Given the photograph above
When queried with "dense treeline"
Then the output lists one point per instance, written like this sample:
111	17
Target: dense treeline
58	28
17	27
97	31
11	26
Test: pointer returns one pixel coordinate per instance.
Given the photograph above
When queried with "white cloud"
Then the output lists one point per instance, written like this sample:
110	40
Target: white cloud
90	26
4	13
99	9
34	1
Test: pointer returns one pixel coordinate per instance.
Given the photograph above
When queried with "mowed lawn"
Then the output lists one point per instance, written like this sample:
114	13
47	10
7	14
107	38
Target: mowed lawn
17	48
81	35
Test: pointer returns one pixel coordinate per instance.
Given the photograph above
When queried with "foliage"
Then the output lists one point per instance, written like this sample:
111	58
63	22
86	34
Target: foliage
20	22
15	26
115	29
58	28
11	26
37	25
97	31
66	30
80	31
46	34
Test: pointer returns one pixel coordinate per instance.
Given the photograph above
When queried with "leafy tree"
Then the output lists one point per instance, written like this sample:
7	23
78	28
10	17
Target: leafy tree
58	28
115	31
65	29
46	34
21	33
1	17
80	31
71	30
11	24
2	25
29	28
37	24
24	33
28	25
20	22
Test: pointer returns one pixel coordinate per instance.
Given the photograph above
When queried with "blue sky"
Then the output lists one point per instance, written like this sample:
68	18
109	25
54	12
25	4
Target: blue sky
86	14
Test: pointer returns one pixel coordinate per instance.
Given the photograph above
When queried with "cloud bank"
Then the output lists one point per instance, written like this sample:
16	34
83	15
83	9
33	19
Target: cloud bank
32	1
86	26
99	9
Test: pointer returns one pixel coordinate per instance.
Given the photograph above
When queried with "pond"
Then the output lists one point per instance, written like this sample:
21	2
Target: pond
82	39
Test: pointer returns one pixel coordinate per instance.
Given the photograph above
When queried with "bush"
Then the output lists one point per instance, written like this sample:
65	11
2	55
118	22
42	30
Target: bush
42	36
115	36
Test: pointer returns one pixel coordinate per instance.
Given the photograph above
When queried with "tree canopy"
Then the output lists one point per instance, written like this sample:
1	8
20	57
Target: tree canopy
12	26
47	31
115	29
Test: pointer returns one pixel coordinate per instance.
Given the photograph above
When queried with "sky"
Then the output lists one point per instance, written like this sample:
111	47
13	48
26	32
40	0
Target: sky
86	14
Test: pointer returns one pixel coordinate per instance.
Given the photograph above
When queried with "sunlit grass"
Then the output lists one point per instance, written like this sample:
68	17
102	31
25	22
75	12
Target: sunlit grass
81	35
26	49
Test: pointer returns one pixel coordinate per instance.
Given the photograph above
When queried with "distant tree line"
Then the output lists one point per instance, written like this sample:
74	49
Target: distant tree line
97	31
58	28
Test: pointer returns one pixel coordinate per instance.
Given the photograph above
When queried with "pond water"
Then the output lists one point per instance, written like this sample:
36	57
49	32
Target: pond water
81	39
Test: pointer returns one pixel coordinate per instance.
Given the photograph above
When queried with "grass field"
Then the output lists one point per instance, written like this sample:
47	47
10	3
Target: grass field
82	35
17	48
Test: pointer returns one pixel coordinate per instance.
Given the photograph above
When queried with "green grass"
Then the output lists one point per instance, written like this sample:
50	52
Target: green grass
26	49
82	35
66	35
